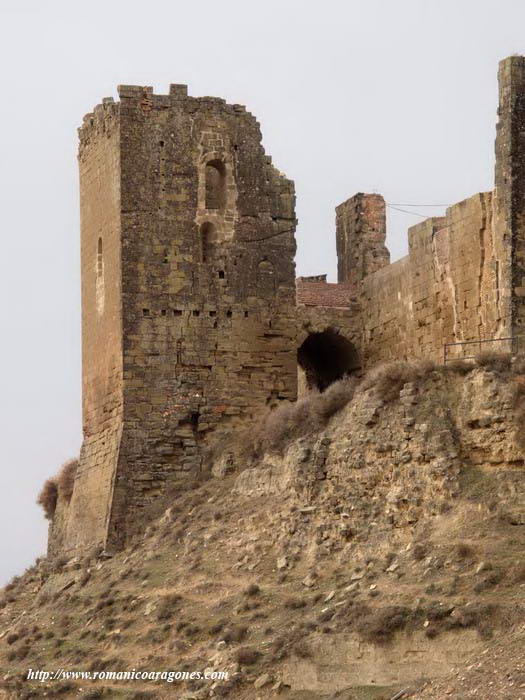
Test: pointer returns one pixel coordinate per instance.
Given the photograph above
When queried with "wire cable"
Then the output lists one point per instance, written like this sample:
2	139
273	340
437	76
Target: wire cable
405	211
398	204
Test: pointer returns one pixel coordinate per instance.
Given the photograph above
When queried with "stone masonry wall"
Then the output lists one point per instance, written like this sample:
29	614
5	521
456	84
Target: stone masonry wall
207	289
447	290
102	366
360	237
464	277
189	314
510	184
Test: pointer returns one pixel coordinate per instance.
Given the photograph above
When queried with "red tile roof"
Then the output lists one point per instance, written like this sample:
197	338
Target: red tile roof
314	293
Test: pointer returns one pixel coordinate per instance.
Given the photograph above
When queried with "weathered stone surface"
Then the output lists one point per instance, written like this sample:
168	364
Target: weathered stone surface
189	315
188	297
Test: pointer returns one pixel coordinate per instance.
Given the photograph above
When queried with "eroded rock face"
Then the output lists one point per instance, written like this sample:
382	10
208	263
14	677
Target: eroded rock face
393	463
343	661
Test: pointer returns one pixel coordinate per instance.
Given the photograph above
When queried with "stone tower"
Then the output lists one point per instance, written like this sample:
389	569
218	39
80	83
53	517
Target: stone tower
188	297
360	237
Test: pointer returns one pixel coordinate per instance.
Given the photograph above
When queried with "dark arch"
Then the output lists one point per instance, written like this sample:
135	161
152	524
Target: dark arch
207	241
215	185
326	357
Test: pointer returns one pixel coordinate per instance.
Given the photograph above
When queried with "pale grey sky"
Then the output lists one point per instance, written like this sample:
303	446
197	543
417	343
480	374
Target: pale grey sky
391	96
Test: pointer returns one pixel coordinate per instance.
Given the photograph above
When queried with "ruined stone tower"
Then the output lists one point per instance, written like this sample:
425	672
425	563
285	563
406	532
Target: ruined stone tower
189	316
360	237
188	297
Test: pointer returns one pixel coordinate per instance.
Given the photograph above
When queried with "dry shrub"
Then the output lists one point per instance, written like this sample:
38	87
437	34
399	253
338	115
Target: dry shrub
380	626
477	615
247	656
61	484
278	427
84	578
499	362
47	498
236	633
252	589
459	366
388	380
518	573
65	478
217	627
420	551
284	424
302	649
167	606
493	579
335	398
295	603
464	551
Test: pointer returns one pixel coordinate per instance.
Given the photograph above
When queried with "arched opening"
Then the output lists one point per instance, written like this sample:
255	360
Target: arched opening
215	185
265	277
207	241
326	357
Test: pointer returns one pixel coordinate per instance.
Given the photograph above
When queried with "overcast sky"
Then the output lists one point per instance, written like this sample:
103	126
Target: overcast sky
393	96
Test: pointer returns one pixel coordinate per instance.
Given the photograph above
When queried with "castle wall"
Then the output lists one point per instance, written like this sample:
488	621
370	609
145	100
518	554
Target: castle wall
447	290
360	237
510	184
189	320
208	288
102	368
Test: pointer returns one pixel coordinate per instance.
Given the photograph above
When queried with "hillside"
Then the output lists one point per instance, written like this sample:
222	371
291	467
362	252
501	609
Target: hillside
364	543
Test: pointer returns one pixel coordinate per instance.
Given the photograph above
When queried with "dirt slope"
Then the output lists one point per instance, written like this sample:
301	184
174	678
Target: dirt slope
375	552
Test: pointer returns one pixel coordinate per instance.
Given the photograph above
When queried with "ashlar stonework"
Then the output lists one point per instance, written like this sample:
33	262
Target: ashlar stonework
192	320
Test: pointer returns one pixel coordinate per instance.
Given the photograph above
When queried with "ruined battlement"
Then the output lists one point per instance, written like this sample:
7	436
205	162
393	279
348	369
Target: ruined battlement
192	320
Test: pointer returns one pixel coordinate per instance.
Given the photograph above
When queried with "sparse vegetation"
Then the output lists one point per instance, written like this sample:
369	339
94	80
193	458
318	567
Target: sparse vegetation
61	484
167	606
235	633
66	478
247	656
252	590
387	380
47	498
380	625
459	366
432	578
463	550
277	428
495	361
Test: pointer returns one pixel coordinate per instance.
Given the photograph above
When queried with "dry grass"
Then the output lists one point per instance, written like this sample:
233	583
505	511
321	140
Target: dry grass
495	361
389	379
277	428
